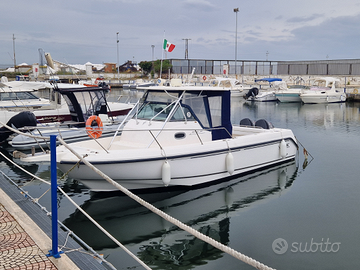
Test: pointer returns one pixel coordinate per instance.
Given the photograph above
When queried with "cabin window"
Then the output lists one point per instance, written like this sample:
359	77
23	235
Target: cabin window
215	110
197	104
151	109
17	96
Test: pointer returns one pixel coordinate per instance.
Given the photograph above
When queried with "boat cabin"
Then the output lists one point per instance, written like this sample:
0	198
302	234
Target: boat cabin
84	102
209	107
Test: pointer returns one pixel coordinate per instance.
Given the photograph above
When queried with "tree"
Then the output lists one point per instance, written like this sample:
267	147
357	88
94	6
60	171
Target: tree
146	67
165	65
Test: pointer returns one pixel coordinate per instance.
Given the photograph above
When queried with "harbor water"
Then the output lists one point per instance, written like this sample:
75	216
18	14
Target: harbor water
300	215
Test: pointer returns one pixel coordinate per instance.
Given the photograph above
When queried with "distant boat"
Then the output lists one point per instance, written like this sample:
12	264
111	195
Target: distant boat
268	94
291	94
324	90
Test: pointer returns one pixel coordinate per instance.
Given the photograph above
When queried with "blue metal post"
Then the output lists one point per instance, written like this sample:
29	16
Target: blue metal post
54	213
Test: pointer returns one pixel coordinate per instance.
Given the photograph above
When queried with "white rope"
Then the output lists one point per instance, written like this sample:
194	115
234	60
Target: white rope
174	221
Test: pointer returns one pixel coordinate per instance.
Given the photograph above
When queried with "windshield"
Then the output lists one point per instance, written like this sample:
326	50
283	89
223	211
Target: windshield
159	105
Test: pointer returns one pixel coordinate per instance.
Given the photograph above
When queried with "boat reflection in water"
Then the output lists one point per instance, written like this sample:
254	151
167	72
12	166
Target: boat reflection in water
208	210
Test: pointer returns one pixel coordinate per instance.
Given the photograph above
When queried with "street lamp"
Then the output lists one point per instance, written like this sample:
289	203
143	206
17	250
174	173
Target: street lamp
186	47
152	59
236	10
117	48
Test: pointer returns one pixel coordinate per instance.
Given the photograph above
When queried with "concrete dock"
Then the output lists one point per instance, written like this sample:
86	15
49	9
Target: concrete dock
25	237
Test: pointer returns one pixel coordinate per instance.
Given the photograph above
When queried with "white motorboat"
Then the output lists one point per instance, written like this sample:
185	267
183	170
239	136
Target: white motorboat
290	94
268	94
20	95
235	85
178	136
82	103
324	90
17	96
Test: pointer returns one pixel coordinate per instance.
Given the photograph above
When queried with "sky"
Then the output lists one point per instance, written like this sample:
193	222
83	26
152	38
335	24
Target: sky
81	31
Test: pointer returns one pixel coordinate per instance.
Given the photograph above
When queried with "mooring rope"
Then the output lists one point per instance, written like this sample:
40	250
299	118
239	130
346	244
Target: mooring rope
169	218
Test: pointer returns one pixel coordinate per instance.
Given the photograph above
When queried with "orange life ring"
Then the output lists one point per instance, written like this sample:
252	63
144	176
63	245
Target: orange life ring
204	78
94	132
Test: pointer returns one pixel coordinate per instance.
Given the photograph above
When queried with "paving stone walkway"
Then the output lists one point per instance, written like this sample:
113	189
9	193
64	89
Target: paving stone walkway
17	250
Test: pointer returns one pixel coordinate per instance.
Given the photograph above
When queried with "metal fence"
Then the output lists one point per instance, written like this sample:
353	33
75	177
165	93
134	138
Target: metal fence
265	68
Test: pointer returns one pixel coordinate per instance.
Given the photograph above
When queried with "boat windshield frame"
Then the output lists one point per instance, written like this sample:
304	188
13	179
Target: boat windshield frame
211	109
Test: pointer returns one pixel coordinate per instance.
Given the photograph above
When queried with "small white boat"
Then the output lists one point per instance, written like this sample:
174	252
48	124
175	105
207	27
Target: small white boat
178	136
235	85
266	95
19	95
325	90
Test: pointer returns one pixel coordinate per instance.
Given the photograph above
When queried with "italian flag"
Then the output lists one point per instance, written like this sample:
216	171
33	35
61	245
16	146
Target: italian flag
168	46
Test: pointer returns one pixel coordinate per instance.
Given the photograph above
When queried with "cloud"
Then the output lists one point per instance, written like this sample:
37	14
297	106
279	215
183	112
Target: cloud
199	5
305	18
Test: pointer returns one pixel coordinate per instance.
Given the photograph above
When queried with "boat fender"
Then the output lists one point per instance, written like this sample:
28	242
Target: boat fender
229	161
94	132
166	173
283	148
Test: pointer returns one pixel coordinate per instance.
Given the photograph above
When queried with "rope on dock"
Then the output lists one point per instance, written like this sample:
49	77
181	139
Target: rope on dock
174	221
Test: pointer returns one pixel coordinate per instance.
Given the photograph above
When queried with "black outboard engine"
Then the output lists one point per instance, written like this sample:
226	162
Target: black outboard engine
252	93
20	120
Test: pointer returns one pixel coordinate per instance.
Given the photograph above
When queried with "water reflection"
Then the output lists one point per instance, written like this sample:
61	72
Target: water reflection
19	176
208	210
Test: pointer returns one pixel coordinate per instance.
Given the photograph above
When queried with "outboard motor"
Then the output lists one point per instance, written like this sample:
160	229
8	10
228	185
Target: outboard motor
252	93
20	120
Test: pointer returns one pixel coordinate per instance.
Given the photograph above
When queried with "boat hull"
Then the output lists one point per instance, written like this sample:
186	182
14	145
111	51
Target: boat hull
264	97
188	165
322	98
288	97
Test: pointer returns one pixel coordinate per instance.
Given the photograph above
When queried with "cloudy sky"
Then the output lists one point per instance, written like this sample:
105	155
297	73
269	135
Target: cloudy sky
80	31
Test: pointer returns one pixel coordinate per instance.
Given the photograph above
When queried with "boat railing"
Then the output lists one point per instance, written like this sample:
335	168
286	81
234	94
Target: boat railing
135	108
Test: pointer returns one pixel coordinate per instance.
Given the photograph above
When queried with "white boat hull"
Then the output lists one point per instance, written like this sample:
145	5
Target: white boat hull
288	97
323	98
189	165
264	97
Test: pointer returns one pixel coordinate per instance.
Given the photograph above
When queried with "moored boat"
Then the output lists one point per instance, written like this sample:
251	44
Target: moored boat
178	136
83	103
264	95
325	90
290	94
